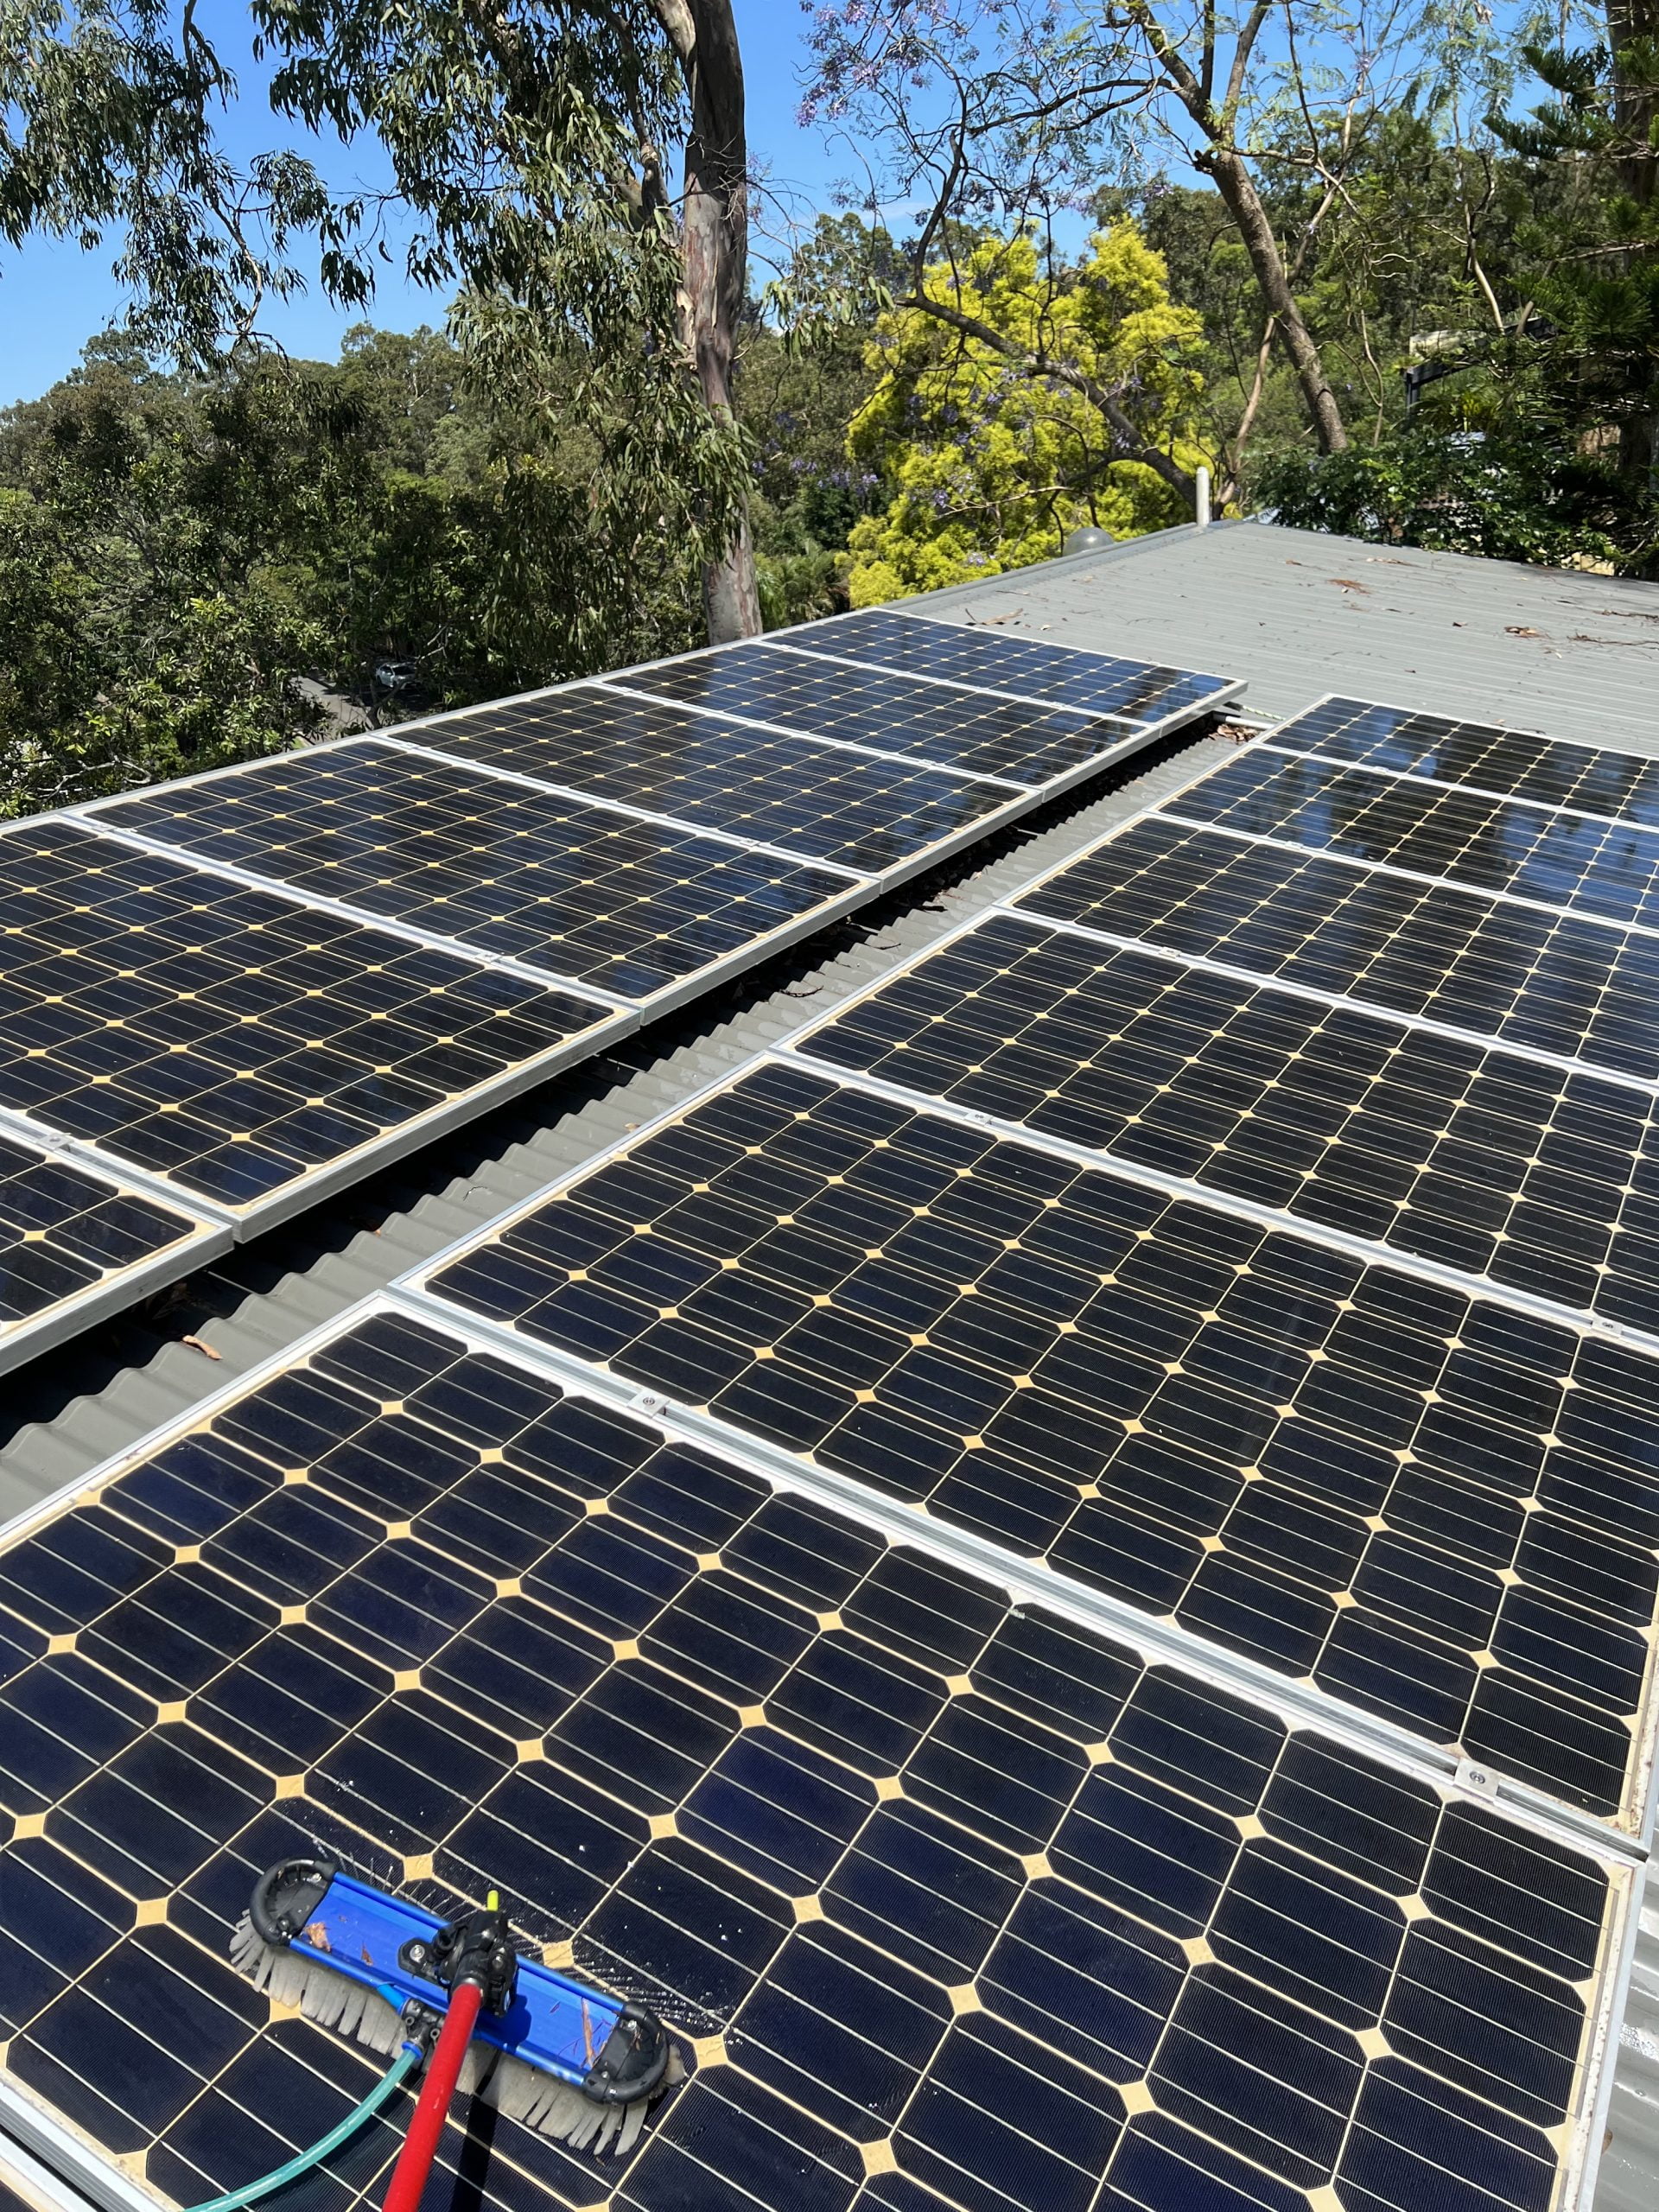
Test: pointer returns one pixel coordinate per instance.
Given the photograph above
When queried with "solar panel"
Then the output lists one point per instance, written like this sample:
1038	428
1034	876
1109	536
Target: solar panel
75	1244
948	1898
824	801
587	893
1481	756
1561	861
998	660
175	1013
1423	1501
1486	1161
1518	973
976	732
250	1050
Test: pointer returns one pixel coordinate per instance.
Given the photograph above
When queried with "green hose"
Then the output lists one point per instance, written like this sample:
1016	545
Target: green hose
390	2083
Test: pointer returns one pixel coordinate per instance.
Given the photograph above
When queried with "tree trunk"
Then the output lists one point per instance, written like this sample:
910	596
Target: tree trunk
715	227
1634	103
1234	183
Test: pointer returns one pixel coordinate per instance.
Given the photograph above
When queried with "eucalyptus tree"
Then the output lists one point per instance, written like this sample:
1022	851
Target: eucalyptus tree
1018	112
528	144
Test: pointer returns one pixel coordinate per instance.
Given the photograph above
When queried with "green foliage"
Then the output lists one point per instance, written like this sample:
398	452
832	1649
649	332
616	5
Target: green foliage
989	457
795	401
177	555
1540	444
524	141
1514	497
1597	248
137	639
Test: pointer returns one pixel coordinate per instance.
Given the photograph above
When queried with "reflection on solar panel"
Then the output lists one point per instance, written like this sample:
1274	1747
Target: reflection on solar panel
889	712
817	799
1560	771
1500	1166
1570	860
73	1244
948	1894
585	893
1098	682
1550	981
231	1040
1429	1504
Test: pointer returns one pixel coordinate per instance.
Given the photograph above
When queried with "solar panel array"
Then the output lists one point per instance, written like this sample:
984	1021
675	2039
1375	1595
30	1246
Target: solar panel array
1503	1166
233	1041
583	893
256	985
952	1902
1250	1231
969	1565
1340	1471
1586	864
1513	764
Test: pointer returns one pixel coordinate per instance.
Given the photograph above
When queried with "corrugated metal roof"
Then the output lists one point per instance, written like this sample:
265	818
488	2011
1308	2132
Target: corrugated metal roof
1295	615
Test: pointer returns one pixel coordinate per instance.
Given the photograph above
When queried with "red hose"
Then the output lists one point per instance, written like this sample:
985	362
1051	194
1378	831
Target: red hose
408	2175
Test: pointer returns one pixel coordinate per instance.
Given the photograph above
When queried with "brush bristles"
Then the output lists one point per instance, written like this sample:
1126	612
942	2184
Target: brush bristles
540	2101
321	1994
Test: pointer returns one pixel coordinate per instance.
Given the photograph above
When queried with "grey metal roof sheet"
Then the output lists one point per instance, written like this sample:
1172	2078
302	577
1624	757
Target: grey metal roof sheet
1297	616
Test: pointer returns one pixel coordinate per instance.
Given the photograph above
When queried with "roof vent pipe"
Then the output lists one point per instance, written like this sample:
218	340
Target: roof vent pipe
1201	499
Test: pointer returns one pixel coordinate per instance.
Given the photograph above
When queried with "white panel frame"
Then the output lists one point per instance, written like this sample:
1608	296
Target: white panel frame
1632	1827
616	1017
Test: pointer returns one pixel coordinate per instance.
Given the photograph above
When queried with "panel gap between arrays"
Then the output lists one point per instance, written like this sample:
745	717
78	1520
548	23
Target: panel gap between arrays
941	1894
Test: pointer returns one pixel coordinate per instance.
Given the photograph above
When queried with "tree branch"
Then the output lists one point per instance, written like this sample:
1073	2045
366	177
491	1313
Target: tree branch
1133	446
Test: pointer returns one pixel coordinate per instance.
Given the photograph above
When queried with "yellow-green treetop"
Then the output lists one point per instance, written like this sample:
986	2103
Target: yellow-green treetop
996	451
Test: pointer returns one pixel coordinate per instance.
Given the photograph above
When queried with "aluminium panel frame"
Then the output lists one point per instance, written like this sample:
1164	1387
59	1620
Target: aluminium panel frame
1632	1829
1641	1806
1104	1614
863	886
1458	884
208	1236
625	1017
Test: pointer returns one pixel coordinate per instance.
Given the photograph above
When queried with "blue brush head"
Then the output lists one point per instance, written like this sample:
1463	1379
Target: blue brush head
570	2059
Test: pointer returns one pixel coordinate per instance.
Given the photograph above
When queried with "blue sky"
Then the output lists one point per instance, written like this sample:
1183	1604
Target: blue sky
53	297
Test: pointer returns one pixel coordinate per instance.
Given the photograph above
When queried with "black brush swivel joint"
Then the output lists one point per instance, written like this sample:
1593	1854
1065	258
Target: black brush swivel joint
477	1948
